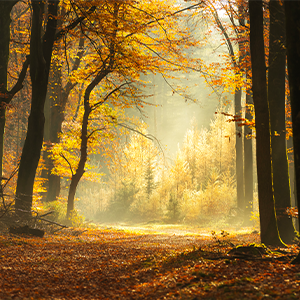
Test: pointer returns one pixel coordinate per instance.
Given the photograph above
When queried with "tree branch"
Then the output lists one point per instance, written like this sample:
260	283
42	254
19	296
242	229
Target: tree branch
96	130
74	24
62	155
93	107
169	15
225	34
19	84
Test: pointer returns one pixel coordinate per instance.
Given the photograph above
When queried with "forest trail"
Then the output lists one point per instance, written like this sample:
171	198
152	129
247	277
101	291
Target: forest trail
118	263
175	229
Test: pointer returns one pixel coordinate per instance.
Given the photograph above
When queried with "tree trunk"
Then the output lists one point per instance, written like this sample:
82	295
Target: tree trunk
54	112
276	98
58	101
5	20
57	110
83	153
248	163
40	59
292	14
239	152
84	140
106	69
268	225
238	110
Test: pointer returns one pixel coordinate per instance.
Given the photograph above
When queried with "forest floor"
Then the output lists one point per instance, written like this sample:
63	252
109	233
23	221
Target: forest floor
152	262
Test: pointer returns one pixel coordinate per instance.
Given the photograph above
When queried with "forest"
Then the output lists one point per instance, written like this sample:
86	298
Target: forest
149	149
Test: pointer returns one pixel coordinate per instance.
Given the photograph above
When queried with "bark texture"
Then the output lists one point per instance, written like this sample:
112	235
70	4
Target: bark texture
57	102
268	224
292	13
40	59
5	95
276	98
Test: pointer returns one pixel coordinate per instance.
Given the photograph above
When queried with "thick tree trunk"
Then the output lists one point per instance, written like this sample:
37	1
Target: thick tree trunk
292	14
58	101
276	97
40	58
248	164
239	152
5	10
268	225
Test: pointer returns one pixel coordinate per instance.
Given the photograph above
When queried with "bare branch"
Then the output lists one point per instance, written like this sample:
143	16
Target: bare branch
225	34
62	155
93	107
168	16
96	130
19	84
147	136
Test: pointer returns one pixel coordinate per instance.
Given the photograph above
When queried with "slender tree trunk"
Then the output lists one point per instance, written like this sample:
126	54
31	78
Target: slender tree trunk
84	141
40	58
248	163
83	158
276	97
106	69
292	14
289	145
268	225
54	113
238	109
57	109
239	152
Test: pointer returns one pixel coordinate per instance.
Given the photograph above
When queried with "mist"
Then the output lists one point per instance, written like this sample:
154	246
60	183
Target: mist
184	172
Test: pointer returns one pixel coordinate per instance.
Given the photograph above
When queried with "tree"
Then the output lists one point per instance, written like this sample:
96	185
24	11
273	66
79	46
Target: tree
136	172
85	135
57	100
276	96
292	14
269	230
232	26
276	99
248	159
7	95
236	64
149	174
40	58
131	43
201	182
190	144
41	48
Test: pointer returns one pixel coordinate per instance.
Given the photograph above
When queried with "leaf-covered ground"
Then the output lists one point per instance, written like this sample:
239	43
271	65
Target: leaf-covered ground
111	263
